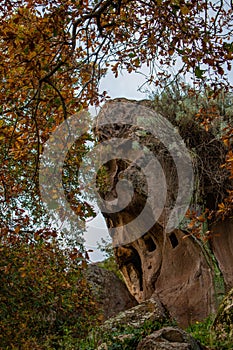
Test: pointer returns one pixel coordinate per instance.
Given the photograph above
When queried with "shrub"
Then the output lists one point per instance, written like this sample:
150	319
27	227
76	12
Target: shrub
43	296
203	332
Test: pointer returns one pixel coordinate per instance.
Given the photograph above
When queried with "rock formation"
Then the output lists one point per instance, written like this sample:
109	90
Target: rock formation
174	268
137	318
169	263
222	247
149	317
111	293
169	338
150	310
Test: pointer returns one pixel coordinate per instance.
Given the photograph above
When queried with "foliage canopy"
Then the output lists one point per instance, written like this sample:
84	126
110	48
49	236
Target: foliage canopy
53	56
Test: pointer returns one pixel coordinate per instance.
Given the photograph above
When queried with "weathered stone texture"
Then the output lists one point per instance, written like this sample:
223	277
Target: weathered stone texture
177	269
150	310
172	267
169	338
112	294
222	247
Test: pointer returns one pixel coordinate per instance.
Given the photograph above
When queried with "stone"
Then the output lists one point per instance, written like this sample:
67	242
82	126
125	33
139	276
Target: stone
223	323
150	310
149	313
222	247
111	293
103	346
172	267
169	338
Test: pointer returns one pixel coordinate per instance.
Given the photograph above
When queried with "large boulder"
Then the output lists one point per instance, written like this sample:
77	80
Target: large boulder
223	323
122	328
111	293
150	310
169	338
129	329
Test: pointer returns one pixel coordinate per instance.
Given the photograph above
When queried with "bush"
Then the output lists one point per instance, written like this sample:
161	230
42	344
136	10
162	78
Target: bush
44	297
203	332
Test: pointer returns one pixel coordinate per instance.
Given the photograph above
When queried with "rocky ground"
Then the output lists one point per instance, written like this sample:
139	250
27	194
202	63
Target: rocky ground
149	325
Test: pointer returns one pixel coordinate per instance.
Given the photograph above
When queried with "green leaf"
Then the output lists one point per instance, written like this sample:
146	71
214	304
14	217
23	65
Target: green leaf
228	47
199	72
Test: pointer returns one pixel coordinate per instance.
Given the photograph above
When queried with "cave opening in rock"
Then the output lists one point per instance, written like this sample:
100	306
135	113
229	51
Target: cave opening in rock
150	244
173	240
135	264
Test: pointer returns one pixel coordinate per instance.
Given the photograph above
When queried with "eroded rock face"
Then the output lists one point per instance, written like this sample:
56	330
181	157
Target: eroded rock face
111	293
172	267
169	338
222	246
158	260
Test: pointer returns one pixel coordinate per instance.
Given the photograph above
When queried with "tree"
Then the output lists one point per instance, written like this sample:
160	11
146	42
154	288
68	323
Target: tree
32	105
45	300
205	124
53	56
44	294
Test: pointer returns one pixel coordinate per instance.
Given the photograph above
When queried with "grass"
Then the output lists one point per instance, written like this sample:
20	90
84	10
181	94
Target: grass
203	332
123	338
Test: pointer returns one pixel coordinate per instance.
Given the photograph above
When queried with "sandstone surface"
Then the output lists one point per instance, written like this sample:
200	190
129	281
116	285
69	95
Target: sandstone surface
111	293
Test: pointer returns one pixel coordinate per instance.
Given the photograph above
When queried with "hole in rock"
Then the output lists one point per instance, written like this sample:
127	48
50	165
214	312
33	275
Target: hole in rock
150	244
173	240
135	263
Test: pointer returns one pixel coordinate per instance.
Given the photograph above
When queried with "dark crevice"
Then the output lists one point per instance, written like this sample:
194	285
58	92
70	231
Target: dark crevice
150	244
173	240
135	261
